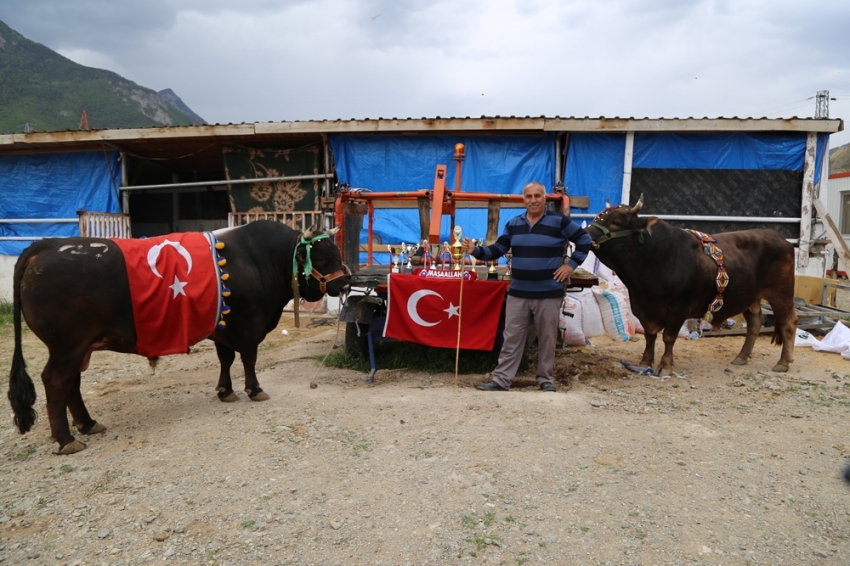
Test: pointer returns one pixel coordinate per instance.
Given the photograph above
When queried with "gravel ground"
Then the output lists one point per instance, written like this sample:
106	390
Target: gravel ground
724	465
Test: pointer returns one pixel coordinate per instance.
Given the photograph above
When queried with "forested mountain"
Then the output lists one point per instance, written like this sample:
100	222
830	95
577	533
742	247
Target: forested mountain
40	90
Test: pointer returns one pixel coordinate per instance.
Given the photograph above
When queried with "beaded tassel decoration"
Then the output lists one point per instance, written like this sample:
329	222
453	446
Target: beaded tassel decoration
225	291
710	247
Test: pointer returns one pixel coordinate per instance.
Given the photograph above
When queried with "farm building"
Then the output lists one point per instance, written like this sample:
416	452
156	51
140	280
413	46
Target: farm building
710	174
838	205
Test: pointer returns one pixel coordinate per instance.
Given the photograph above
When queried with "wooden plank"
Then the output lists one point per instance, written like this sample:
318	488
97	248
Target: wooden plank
578	202
809	288
833	233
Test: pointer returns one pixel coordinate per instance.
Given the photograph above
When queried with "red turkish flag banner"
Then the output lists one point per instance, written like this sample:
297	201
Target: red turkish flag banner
426	310
174	288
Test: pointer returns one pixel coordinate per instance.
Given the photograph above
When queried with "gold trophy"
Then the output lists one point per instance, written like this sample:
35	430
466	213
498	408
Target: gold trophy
393	259
457	249
492	274
508	257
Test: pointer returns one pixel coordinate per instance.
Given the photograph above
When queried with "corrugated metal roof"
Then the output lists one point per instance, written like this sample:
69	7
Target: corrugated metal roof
197	150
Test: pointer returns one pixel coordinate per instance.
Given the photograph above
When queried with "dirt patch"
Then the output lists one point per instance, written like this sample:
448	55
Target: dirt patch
719	465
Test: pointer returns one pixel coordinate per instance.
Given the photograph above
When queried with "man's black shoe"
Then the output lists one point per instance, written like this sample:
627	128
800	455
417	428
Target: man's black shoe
547	386
490	386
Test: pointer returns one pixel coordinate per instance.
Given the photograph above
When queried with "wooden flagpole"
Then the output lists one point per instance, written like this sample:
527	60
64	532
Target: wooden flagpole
460	260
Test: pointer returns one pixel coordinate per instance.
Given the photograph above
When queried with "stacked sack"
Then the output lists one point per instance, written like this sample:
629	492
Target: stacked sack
603	310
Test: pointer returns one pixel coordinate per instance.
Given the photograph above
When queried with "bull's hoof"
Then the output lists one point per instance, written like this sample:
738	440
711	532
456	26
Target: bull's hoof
780	368
95	428
739	361
260	396
72	448
665	372
228	397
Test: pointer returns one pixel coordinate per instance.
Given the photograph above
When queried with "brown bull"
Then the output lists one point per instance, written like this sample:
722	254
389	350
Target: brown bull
671	278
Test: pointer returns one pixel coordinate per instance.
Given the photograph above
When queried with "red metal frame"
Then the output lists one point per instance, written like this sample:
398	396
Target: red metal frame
443	202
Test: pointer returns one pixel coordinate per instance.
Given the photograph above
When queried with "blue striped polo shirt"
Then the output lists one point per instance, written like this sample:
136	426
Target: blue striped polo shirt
537	252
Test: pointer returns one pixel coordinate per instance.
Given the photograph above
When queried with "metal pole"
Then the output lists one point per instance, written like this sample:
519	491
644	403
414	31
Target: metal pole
558	179
627	168
225	182
125	176
766	219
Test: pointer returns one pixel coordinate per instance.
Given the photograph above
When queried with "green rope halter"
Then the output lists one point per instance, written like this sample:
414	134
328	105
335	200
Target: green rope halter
308	268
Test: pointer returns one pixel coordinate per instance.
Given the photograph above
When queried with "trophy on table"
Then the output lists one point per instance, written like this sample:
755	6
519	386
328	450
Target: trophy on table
457	249
393	258
492	274
508	257
426	255
410	251
445	255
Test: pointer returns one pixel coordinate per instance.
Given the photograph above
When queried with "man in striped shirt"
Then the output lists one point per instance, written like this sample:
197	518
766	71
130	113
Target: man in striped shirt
536	239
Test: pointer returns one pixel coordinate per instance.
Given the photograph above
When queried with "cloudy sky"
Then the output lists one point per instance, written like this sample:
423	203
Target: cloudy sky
273	60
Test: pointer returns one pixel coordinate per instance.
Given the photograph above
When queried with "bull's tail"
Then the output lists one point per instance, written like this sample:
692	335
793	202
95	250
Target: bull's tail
21	387
777	335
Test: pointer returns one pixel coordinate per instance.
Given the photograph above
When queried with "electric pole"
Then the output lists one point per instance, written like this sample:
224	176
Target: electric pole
822	104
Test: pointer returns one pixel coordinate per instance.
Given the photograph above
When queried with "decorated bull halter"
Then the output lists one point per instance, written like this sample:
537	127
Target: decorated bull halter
608	234
710	247
308	266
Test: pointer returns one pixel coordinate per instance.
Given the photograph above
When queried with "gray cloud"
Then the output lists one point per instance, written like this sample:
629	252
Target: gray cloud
328	59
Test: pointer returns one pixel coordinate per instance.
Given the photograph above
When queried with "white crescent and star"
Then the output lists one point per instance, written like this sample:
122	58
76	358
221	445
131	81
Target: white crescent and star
413	313
153	256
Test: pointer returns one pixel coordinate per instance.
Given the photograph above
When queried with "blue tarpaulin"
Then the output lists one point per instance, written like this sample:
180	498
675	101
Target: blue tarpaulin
595	169
54	185
494	164
732	150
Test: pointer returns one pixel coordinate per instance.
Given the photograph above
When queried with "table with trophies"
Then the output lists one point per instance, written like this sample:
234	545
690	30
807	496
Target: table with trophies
365	310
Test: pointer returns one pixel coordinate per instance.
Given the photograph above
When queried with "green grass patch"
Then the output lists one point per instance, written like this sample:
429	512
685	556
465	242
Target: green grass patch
5	314
404	355
25	453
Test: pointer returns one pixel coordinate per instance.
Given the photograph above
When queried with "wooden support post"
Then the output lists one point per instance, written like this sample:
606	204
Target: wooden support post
808	196
424	218
493	208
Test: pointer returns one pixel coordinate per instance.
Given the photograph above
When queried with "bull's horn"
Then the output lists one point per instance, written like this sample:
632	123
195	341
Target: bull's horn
308	234
638	205
333	231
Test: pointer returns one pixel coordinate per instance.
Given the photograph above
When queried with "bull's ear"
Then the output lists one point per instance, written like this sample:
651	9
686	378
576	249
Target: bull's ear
333	231
646	224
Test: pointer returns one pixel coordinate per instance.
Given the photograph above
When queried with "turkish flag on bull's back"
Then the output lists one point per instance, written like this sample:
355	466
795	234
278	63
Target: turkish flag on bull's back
174	288
426	310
